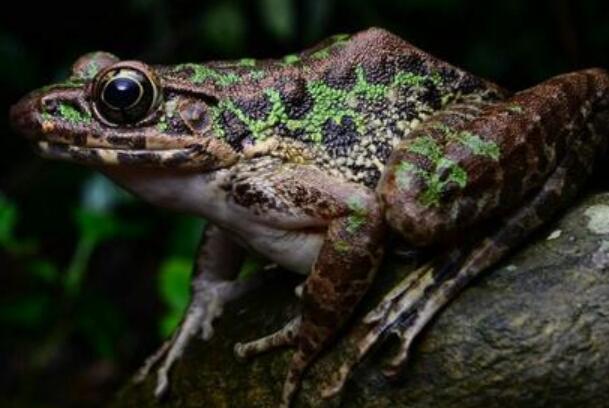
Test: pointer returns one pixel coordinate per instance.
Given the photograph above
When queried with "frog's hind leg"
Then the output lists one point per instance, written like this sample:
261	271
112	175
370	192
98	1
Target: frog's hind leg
213	286
415	301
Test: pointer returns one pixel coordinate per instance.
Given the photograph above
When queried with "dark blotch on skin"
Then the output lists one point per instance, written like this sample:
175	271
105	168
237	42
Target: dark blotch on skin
413	63
340	138
256	108
515	171
175	126
449	76
407	109
470	84
142	158
383	151
431	96
341	77
379	72
131	142
372	177
236	130
296	98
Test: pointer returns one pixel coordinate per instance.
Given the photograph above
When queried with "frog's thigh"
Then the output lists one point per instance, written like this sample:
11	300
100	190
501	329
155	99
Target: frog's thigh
407	211
426	291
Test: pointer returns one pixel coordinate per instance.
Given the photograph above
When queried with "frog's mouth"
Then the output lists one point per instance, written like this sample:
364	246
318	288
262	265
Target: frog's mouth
193	157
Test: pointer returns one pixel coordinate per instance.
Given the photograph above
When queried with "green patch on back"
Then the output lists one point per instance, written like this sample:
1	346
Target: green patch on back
329	104
70	114
202	73
336	41
247	62
291	59
257	75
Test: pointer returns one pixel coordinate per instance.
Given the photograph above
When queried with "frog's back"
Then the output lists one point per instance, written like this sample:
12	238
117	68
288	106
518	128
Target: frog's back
342	105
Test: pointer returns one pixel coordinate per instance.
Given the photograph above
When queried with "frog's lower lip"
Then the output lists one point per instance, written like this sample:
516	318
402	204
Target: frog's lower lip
180	157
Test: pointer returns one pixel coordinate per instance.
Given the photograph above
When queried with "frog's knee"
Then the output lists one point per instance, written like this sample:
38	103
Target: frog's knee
420	225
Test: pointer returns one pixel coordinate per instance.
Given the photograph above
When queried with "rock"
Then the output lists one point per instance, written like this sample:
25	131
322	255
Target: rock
534	332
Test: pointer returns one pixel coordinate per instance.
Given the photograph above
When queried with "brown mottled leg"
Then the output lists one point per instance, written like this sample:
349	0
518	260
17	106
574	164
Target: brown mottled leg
409	307
340	276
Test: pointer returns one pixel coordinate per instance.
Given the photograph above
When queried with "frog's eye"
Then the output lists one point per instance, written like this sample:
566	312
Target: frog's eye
125	95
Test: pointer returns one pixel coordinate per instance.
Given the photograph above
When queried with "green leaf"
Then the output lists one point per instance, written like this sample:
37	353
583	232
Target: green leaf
102	195
185	237
174	289
100	322
280	18
8	220
28	311
252	265
43	270
174	280
99	226
94	227
223	27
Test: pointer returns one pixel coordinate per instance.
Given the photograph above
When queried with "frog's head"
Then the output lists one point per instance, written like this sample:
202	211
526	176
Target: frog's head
120	113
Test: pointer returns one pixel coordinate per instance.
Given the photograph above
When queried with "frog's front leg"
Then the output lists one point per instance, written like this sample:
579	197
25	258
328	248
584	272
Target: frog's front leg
217	265
341	273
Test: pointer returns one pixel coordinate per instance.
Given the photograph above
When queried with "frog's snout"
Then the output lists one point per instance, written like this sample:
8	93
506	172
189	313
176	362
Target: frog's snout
24	116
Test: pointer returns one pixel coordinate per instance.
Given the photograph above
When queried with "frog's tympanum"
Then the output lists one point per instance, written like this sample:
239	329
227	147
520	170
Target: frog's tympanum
312	159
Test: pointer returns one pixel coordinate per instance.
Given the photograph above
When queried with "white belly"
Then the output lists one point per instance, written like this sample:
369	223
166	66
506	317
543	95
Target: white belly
200	195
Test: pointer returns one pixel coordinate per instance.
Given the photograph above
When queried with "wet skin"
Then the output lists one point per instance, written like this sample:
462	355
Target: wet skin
311	159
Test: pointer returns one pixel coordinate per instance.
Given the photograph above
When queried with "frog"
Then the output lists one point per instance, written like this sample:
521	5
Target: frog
314	161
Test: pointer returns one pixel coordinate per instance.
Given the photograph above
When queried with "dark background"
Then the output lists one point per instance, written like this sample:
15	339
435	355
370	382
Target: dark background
91	279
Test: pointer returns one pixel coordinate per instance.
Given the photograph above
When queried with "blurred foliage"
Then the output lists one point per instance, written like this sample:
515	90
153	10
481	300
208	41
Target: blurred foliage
91	279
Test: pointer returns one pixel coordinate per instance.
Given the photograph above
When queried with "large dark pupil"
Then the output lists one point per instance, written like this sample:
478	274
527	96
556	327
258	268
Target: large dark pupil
122	93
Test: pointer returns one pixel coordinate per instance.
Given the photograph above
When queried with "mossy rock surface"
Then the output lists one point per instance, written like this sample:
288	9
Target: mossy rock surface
534	332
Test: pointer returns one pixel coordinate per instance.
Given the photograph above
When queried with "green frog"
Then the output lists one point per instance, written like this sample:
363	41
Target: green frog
312	160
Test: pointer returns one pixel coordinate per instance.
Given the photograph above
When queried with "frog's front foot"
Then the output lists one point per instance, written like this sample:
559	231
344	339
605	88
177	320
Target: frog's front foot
209	298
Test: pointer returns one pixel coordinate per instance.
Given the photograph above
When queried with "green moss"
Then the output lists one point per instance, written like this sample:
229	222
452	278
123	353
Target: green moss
70	114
